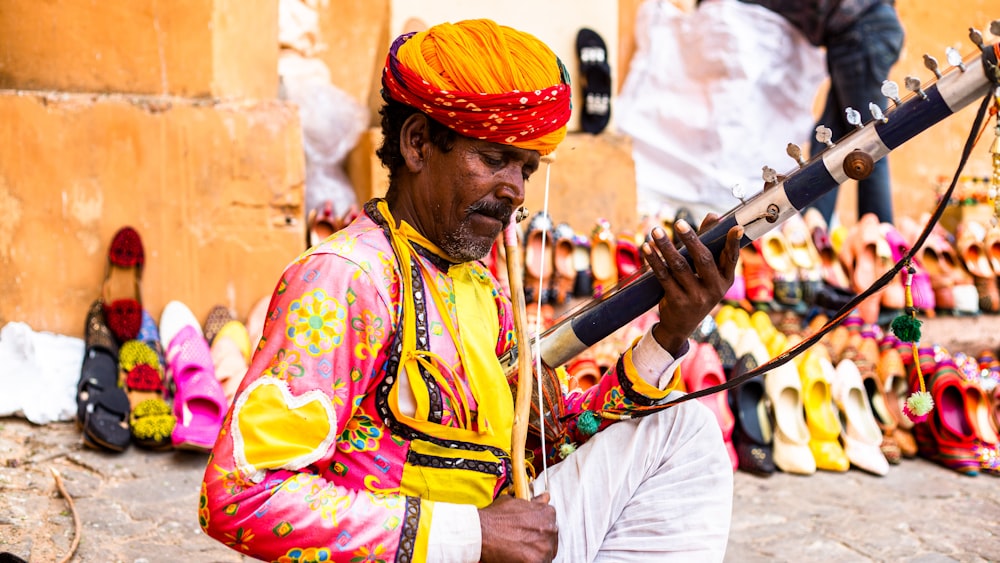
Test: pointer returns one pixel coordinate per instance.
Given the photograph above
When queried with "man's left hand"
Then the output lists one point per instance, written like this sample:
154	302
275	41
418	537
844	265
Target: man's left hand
689	293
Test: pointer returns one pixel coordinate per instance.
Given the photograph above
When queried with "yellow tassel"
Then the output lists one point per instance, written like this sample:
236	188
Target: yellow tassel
916	363
614	416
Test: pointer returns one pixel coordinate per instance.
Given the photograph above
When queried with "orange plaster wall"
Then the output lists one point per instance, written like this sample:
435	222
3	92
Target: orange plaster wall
355	34
916	166
215	191
192	48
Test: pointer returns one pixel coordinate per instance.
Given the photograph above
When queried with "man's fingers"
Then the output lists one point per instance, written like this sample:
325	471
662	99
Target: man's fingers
731	255
666	261
542	498
701	256
708	222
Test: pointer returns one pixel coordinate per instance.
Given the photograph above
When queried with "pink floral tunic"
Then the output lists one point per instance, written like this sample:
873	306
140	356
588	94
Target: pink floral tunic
312	463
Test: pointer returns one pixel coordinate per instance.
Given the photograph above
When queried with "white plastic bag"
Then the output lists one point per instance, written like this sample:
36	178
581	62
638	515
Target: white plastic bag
711	97
39	375
332	123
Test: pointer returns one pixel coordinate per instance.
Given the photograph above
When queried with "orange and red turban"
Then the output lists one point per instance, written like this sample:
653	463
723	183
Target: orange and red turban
484	81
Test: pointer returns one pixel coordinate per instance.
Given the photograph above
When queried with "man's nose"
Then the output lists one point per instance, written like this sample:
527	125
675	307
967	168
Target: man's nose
512	185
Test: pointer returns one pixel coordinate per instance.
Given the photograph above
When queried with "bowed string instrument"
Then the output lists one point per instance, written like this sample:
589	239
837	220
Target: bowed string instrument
540	408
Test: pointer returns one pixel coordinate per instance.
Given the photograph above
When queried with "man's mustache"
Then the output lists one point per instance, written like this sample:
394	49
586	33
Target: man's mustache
498	210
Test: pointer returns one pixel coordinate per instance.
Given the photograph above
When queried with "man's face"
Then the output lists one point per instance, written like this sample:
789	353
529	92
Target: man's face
470	192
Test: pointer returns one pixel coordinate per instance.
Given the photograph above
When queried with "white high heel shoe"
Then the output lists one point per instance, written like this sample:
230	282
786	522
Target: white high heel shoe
861	434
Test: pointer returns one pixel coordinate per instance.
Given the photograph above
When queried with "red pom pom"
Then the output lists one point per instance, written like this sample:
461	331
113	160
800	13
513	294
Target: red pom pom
144	377
124	318
126	249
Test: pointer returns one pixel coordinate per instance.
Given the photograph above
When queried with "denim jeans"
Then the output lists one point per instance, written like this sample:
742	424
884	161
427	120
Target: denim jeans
859	59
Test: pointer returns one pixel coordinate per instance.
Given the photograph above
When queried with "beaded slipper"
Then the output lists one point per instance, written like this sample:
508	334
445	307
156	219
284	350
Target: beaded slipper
141	375
121	288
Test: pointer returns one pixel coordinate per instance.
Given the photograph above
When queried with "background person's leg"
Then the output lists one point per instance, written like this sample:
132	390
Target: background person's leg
833	119
883	41
658	488
859	60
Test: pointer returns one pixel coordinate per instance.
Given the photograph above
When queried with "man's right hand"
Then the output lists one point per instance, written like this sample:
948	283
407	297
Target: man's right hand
517	530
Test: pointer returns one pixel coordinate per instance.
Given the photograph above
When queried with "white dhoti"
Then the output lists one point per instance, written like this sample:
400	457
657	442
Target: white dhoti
659	488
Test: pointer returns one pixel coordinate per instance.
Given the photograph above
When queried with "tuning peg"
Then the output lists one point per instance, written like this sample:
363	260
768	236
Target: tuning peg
769	175
954	58
876	112
912	84
739	193
976	37
891	90
995	28
932	65
853	117
795	152
824	135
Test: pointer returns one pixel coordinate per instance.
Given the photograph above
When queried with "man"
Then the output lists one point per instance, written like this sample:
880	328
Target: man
375	421
863	39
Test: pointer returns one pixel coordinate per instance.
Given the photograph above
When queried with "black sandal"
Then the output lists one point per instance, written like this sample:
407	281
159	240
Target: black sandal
99	400
105	424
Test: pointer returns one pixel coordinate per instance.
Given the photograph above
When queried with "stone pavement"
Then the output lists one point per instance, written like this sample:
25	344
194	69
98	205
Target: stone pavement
141	507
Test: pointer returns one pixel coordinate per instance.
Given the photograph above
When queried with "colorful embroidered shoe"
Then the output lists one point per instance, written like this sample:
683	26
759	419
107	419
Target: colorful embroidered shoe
980	415
948	437
892	378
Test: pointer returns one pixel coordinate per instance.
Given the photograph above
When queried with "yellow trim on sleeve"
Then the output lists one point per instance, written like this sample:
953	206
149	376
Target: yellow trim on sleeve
640	385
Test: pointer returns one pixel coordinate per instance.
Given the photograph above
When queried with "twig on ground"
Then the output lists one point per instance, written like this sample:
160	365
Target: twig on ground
47	457
76	517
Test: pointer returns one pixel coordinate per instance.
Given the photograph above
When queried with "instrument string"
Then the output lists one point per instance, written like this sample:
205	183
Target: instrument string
637	411
536	342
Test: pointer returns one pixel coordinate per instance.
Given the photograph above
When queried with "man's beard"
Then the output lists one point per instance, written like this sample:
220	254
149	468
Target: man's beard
461	244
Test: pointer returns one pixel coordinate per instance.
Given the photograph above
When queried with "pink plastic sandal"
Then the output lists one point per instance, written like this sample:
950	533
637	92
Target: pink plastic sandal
199	401
923	291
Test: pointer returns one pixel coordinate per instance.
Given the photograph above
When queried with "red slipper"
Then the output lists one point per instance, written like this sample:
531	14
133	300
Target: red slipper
584	373
627	258
126	258
702	369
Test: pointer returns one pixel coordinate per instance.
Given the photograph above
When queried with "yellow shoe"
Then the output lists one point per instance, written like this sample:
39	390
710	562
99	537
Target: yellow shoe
736	314
777	344
725	313
792	453
821	418
761	321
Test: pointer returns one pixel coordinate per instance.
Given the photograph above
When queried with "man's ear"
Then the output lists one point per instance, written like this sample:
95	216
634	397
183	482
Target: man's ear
414	138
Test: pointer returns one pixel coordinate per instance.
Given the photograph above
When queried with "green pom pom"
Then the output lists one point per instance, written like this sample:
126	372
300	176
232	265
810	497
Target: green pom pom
920	403
906	328
588	423
566	449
